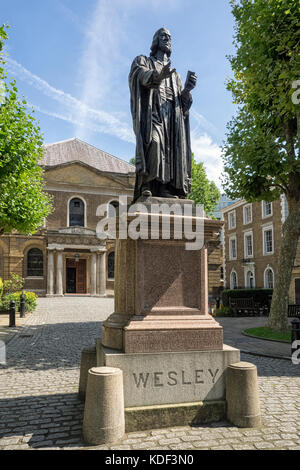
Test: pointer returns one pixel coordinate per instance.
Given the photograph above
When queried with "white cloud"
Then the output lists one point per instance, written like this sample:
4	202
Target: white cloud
208	152
74	110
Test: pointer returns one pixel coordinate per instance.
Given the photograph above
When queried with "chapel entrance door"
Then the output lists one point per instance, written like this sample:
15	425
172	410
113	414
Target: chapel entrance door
76	276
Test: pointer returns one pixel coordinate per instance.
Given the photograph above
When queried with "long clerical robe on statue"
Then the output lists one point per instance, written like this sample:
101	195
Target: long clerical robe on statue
160	113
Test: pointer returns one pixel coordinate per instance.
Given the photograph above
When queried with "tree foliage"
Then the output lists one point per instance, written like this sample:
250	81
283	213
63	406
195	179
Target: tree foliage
23	202
203	191
261	152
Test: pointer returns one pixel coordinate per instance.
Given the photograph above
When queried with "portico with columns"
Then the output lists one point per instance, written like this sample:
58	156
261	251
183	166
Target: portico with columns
92	277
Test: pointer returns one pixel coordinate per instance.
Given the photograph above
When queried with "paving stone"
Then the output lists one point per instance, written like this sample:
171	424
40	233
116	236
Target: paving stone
174	440
242	447
225	447
183	446
39	391
204	444
264	445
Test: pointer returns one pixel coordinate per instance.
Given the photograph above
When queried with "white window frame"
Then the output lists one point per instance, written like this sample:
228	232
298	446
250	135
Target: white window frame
230	279
295	278
230	227
263	207
247	206
265	272
267	229
110	204
231	257
246	278
247	234
68	209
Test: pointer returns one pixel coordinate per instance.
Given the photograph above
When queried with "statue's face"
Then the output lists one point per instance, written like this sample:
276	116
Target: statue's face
164	39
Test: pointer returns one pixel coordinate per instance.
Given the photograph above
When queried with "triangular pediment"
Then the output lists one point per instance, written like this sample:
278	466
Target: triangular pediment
79	174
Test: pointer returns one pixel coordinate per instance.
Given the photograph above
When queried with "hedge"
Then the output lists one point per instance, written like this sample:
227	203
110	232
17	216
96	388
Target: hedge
262	296
30	301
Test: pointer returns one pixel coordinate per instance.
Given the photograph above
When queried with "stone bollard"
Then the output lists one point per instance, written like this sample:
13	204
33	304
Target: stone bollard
243	409
104	418
88	360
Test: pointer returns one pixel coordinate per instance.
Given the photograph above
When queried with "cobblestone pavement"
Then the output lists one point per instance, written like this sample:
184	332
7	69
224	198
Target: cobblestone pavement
39	407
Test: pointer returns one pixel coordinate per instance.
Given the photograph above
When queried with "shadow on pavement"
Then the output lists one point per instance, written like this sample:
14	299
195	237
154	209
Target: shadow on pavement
53	420
51	346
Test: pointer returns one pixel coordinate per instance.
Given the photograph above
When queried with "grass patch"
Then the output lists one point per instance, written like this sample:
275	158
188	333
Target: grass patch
266	333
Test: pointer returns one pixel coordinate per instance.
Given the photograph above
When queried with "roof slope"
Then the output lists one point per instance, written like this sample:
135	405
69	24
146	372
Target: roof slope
75	150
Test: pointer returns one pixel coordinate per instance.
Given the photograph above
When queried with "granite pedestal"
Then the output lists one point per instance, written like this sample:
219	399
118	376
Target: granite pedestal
161	335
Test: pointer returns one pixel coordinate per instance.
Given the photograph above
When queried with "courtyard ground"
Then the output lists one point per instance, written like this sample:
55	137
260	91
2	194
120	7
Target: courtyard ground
39	407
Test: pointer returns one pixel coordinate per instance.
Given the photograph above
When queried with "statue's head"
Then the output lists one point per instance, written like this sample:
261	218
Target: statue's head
162	41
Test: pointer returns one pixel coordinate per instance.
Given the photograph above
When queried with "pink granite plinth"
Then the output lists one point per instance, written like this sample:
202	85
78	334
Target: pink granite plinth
161	297
171	333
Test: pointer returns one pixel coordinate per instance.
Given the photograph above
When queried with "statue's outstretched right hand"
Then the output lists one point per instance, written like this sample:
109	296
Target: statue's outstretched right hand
166	71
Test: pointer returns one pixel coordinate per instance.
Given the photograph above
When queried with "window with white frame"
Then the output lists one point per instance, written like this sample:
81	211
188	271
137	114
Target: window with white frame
113	209
76	212
248	244
268	242
267	209
233	280
250	280
231	220
247	214
269	278
232	248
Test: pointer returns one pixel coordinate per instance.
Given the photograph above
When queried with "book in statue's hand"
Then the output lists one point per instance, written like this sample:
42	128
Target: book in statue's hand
188	86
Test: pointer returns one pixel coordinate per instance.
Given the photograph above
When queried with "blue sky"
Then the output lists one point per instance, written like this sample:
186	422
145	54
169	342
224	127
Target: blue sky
71	60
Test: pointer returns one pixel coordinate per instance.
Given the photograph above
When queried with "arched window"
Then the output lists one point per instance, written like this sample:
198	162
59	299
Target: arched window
233	280
113	209
76	212
35	262
250	280
269	278
111	265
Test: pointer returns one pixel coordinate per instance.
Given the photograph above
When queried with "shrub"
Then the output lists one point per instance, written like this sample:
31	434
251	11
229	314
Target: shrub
14	284
262	296
30	301
223	312
1	288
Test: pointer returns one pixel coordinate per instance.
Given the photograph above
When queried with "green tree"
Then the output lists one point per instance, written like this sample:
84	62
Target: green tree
203	191
261	152
23	202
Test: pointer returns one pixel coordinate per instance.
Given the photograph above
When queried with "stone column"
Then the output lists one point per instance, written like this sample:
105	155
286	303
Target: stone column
59	273
102	273
94	274
50	273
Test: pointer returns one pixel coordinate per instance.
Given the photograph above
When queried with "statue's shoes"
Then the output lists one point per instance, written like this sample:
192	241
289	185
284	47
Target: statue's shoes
147	193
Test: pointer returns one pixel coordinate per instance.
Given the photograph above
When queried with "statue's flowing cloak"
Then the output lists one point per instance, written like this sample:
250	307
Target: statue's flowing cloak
145	98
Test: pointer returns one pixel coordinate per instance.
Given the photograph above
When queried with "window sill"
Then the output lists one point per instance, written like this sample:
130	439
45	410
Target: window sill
34	277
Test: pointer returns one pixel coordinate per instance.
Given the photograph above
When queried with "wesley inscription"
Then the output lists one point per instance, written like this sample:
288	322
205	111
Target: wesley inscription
173	378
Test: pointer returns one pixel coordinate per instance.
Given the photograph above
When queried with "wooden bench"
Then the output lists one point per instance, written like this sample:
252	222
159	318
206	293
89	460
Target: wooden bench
294	311
245	306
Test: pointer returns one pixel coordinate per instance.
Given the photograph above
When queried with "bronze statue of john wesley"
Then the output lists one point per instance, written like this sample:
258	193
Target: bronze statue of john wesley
160	111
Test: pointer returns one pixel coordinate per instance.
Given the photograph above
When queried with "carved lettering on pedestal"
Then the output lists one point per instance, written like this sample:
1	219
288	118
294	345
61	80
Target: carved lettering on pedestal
175	378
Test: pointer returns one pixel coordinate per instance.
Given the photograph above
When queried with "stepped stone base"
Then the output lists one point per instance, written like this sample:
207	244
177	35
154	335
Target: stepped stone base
182	414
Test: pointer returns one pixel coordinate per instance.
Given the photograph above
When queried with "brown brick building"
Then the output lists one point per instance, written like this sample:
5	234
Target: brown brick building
251	242
66	256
